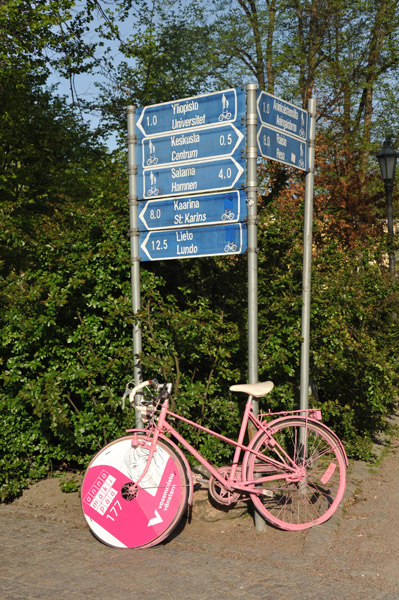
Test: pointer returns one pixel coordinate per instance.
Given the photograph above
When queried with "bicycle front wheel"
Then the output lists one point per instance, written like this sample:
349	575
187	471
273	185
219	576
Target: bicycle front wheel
302	473
122	515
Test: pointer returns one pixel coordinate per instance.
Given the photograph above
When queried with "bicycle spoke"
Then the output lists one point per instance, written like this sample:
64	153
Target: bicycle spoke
306	483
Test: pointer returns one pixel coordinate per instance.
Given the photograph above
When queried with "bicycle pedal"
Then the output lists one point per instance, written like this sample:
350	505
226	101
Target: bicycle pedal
268	493
198	478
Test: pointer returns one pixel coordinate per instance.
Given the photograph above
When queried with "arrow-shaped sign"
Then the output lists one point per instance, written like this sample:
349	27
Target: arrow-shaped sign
196	144
283	148
190	211
186	178
198	111
282	115
193	243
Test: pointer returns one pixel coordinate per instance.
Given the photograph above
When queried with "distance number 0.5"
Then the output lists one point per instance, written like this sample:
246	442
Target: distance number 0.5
226	140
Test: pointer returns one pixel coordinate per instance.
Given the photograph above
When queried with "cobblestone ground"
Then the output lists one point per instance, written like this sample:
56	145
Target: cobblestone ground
353	556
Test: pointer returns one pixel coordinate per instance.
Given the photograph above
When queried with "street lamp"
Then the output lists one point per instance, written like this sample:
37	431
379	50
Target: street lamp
387	158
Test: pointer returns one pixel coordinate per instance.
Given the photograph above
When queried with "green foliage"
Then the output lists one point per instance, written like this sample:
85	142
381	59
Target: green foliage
355	359
50	34
176	41
66	324
69	486
354	333
65	314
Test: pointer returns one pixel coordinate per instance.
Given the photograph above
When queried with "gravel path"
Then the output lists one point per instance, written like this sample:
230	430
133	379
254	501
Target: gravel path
48	552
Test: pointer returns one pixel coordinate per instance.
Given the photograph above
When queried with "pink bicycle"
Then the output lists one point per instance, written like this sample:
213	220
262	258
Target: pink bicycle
137	488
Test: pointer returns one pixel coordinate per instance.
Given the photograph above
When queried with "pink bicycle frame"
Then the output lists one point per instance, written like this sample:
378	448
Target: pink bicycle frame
162	426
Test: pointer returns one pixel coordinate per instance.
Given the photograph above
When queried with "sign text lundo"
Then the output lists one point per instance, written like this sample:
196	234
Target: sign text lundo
193	242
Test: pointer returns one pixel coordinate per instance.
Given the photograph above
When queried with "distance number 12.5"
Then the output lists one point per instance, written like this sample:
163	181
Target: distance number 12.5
158	245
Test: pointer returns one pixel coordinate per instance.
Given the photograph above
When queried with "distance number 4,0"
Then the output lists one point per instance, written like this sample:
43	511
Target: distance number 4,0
225	173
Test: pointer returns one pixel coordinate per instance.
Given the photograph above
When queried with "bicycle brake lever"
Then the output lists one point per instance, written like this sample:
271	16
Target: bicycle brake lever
165	391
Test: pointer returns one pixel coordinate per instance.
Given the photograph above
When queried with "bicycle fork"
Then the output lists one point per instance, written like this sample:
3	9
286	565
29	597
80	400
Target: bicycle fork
149	443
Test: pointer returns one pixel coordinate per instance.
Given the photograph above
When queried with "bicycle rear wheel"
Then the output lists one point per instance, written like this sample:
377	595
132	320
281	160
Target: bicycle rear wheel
304	481
122	516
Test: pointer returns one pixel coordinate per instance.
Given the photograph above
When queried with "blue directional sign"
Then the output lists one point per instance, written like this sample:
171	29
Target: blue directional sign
282	115
283	148
193	243
185	178
191	211
196	144
198	111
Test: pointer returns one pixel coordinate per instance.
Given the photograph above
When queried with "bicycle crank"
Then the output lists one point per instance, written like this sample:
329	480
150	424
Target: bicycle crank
217	490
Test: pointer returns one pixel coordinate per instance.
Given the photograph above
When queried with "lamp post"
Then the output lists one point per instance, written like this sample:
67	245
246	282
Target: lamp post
387	158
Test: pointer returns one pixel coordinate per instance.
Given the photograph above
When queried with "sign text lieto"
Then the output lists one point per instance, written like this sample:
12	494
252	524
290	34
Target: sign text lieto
193	243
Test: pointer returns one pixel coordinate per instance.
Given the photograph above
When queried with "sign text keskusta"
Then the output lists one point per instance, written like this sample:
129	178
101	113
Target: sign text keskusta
194	145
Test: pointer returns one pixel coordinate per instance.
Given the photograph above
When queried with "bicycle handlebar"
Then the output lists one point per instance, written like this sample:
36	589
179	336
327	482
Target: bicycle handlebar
165	390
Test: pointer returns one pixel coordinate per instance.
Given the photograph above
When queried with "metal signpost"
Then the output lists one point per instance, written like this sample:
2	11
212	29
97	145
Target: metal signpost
134	250
307	261
194	193
252	192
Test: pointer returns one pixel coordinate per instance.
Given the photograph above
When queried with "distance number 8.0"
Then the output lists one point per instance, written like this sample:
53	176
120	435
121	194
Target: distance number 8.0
155	213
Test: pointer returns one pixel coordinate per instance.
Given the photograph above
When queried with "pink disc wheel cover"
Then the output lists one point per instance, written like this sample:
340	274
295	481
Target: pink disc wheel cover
125	520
